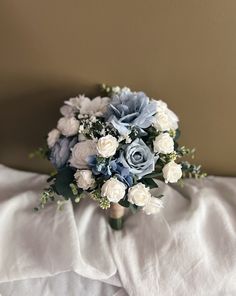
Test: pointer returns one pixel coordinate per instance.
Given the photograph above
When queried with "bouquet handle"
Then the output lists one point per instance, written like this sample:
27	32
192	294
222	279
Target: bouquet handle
116	216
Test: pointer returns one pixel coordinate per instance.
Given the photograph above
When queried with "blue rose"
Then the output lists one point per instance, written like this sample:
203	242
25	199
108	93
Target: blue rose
138	158
122	173
61	151
131	109
109	168
99	166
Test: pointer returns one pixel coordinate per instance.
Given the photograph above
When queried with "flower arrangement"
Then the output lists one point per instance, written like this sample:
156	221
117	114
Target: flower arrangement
113	149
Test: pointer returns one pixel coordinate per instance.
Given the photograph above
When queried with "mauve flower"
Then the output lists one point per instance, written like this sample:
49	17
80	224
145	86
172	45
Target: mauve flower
80	154
138	158
131	109
60	152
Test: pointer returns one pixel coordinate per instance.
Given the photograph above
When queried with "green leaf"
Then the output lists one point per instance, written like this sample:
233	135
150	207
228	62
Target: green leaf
63	180
133	208
124	203
149	183
51	178
177	134
159	196
153	175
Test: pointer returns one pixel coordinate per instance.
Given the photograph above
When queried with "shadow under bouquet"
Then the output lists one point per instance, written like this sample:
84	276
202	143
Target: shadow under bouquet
113	149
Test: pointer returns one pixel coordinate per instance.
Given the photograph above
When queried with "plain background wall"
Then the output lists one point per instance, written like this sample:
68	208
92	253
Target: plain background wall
183	52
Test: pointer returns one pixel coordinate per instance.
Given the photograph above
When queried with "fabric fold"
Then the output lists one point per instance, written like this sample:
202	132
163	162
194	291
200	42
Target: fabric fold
186	249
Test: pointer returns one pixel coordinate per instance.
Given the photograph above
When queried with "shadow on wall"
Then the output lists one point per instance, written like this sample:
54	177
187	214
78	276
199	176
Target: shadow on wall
26	118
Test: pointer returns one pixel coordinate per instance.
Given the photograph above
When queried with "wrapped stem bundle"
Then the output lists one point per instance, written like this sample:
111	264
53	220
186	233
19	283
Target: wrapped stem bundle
116	216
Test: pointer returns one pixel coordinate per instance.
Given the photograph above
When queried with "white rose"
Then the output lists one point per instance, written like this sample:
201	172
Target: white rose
81	138
153	206
173	118
68	126
80	153
106	146
113	189
53	136
159	120
67	111
84	179
161	106
163	144
172	172
139	195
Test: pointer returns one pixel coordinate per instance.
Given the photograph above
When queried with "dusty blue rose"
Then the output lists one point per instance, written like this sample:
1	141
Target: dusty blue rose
138	158
131	109
61	151
99	166
121	172
110	168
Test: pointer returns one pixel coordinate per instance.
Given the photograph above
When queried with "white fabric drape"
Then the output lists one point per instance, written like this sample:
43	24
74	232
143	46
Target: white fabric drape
187	249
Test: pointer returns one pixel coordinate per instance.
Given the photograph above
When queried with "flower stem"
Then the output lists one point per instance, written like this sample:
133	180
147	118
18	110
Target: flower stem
116	216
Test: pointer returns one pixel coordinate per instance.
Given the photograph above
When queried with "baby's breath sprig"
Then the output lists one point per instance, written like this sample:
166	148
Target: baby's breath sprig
74	189
60	204
109	90
41	152
104	203
47	195
172	133
165	158
95	195
192	170
183	151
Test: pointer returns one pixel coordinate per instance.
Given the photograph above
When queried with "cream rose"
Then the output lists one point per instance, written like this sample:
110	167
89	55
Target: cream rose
53	136
172	172
153	206
106	146
161	122
84	179
113	189
139	195
163	144
80	153
68	126
165	119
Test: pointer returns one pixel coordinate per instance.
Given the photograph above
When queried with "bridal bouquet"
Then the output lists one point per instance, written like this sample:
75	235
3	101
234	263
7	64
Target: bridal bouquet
113	149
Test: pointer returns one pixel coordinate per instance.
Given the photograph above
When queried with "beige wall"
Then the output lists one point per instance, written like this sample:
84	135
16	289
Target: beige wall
181	51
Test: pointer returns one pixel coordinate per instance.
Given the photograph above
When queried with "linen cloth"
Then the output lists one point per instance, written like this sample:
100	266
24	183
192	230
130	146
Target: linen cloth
189	248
